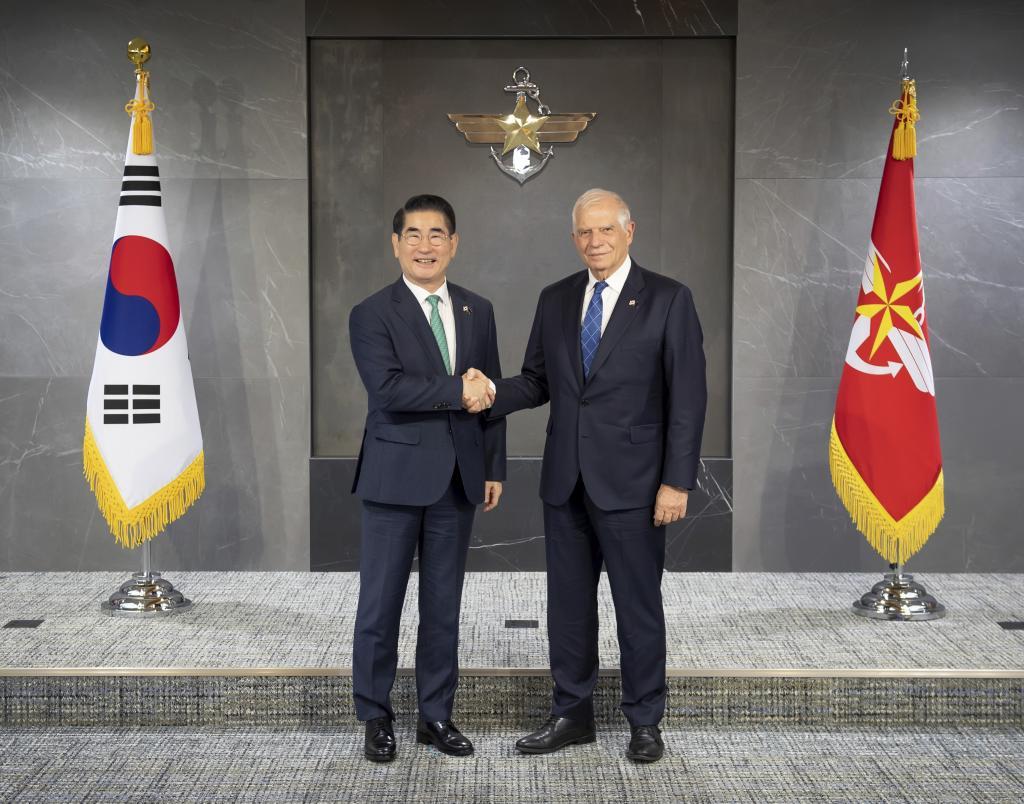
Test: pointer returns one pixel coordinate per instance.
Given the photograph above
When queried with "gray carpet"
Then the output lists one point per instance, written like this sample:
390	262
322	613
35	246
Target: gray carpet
730	621
719	765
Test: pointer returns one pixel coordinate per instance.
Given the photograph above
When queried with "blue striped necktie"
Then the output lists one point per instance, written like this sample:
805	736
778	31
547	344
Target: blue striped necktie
590	334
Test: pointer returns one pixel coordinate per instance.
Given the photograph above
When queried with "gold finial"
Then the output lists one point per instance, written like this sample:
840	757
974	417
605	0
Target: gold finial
140	106
138	52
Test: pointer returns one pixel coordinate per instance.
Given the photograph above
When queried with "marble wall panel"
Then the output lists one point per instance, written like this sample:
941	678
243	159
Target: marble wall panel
240	256
811	132
351	227
800	251
253	514
229	83
512	536
788	516
814	82
697	205
228	80
464	18
55	238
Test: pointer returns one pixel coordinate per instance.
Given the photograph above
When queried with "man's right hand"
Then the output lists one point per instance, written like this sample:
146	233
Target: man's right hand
477	395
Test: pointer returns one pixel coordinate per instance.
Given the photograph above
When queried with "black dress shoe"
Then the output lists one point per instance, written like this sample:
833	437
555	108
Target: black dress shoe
645	745
443	735
557	733
379	744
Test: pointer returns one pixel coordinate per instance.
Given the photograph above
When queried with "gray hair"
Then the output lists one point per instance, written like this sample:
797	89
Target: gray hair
595	195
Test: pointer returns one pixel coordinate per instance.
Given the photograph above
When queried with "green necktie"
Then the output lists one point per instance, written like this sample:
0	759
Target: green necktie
438	329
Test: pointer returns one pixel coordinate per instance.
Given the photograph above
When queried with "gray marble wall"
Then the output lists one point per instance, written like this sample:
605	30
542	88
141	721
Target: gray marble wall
229	81
814	82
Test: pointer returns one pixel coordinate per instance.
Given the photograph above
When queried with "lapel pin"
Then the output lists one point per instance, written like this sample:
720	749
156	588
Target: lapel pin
466	309
632	302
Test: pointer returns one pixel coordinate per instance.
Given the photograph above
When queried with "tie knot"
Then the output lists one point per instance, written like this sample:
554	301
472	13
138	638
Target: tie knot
433	301
599	287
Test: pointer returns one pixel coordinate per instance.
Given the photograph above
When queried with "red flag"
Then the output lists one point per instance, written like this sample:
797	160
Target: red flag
884	452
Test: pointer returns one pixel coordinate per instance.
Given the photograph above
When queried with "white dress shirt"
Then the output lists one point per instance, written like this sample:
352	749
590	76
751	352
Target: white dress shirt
609	295
444	309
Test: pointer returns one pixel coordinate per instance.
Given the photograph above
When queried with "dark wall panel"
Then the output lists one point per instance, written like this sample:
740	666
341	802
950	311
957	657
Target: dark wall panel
380	134
527	18
511	538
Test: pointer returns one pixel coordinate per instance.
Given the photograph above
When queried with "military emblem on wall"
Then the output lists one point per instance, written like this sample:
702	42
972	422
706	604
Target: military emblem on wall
521	135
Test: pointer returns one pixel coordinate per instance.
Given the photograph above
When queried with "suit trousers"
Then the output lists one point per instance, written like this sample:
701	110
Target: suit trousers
391	535
579	538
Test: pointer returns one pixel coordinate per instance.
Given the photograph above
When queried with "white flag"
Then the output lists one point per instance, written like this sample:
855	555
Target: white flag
143	451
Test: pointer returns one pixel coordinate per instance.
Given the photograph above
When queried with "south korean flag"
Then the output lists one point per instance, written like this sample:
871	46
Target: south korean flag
143	450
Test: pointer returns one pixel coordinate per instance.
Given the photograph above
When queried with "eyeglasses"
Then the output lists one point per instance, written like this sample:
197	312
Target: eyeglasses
414	238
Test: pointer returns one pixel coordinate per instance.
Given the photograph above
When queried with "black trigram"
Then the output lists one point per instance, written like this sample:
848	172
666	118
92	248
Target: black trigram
141	186
142	398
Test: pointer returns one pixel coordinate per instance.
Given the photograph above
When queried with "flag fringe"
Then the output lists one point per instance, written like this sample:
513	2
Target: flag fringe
895	541
134	526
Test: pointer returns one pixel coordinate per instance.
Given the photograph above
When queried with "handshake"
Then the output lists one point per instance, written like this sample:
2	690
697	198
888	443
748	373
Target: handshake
477	395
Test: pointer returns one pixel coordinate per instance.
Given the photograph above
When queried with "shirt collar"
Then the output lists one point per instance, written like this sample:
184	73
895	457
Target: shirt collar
616	281
422	293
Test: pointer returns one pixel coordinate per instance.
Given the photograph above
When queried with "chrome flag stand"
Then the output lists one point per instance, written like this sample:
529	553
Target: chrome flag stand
145	594
898	597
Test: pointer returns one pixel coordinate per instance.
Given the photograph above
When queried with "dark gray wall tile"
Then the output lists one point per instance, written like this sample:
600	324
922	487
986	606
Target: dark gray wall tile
228	80
800	251
253	514
512	536
789	518
56	236
814	83
514	240
240	257
464	18
697	205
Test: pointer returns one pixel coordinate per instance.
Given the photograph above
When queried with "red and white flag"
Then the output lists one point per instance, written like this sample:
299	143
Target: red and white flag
884	452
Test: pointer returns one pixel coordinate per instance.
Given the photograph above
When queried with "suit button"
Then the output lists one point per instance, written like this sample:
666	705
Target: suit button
584	403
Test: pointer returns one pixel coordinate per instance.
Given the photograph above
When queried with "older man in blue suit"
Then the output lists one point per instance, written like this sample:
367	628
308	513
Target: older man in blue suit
425	464
618	351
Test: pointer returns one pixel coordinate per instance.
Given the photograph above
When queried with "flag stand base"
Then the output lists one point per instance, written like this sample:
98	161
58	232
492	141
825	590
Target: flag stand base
899	597
145	594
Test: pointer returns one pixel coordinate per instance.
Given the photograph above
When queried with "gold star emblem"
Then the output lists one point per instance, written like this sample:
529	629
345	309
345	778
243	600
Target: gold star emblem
888	306
520	128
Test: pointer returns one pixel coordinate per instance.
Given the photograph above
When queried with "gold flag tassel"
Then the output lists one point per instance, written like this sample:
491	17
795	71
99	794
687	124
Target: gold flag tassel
895	541
904	139
139	108
133	526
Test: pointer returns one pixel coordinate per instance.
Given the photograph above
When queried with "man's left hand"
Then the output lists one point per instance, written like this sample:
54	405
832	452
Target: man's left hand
492	493
670	505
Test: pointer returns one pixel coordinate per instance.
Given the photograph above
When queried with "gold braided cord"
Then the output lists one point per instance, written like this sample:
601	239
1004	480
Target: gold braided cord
904	109
133	526
139	108
895	541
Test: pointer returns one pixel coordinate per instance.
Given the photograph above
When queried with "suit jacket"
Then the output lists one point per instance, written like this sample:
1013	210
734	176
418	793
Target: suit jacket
638	420
416	429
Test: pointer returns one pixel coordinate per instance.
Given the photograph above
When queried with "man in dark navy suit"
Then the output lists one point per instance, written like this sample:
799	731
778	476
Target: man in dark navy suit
425	464
618	351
